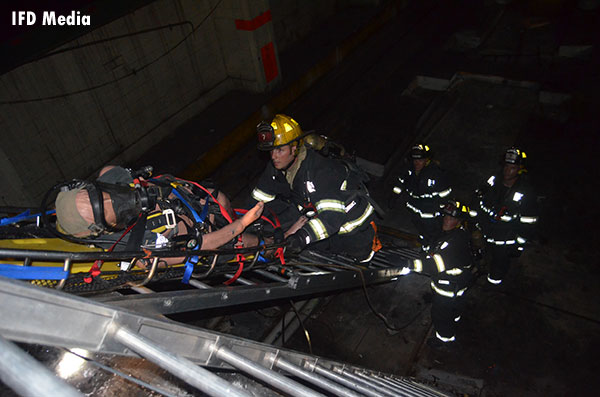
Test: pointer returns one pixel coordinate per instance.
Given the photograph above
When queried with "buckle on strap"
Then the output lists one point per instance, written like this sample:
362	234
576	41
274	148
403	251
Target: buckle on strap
170	220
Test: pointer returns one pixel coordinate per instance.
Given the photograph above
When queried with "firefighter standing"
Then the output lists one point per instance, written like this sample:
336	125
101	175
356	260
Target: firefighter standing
449	263
337	206
426	187
506	213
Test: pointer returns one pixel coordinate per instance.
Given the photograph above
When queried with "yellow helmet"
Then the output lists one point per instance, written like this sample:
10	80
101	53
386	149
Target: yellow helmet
282	130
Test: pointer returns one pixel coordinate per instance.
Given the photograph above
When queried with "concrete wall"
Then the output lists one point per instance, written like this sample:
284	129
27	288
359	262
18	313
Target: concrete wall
293	19
66	115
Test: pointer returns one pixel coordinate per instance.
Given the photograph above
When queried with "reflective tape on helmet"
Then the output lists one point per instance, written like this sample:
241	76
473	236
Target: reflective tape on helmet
493	281
318	228
418	265
440	291
501	242
349	226
331	205
444	339
441	194
397	190
259	195
439	262
529	219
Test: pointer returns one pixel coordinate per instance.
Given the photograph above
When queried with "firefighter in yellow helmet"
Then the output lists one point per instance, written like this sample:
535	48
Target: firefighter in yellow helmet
327	204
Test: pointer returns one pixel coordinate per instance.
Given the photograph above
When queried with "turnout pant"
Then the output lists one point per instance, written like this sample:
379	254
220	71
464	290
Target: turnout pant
500	261
357	244
445	314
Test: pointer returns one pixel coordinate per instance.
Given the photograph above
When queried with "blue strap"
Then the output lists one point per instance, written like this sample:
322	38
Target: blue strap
22	217
205	209
32	272
189	269
197	217
260	257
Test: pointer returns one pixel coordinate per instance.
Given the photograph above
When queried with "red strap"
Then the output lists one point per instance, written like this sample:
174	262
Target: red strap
279	254
94	272
240	258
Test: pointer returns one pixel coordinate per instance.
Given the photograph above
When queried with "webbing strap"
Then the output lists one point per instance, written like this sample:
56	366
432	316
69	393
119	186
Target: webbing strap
197	217
189	269
32	272
240	258
22	217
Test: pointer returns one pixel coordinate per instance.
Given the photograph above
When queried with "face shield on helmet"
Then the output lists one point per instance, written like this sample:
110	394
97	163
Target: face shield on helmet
420	151
456	209
514	156
281	131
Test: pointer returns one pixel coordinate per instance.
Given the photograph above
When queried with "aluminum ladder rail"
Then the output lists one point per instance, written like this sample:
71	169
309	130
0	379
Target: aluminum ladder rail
386	266
33	314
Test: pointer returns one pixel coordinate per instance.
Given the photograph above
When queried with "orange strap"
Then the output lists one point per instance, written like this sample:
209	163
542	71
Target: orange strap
376	242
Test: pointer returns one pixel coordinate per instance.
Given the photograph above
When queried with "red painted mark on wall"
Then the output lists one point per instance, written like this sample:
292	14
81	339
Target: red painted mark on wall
255	23
269	61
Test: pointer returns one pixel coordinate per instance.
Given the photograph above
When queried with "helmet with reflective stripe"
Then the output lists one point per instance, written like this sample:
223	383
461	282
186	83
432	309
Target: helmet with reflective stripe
514	156
456	209
420	151
281	131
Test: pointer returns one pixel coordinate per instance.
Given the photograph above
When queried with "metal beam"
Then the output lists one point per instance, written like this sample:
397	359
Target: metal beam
297	286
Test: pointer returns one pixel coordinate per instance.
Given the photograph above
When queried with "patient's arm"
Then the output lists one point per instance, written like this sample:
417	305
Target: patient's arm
219	237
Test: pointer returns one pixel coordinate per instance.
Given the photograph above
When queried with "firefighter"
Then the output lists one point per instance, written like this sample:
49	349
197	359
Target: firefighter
336	206
506	213
425	188
449	263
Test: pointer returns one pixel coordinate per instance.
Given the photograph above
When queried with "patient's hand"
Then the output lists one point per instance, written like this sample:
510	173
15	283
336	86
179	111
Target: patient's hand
253	214
296	226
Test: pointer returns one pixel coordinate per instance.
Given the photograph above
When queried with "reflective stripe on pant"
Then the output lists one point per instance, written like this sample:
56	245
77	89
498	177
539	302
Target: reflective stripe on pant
500	262
444	312
357	244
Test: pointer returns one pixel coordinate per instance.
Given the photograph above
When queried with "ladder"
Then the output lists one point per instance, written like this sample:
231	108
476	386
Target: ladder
32	314
312	273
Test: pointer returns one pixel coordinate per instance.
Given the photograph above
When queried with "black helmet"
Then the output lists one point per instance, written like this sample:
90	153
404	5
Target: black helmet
456	209
420	151
514	156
